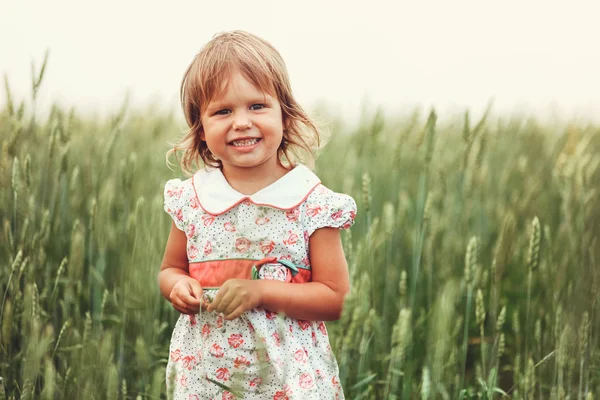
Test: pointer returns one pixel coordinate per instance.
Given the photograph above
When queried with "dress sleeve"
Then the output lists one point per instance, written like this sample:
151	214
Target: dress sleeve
329	209
173	203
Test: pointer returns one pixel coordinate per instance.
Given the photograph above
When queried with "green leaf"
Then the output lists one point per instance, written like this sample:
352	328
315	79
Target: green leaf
492	378
364	381
498	390
219	384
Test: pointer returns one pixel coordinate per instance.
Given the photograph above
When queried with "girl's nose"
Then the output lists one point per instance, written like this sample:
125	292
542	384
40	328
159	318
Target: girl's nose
242	122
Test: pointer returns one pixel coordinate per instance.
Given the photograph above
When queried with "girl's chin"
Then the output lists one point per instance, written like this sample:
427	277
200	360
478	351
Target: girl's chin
250	162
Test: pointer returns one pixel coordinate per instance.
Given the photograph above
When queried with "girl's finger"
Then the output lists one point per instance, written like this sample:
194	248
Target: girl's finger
180	305
193	309
196	290
191	300
217	300
225	302
238	312
232	306
179	308
204	304
176	301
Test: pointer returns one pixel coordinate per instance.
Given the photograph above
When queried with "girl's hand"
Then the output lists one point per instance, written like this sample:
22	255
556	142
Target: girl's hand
235	297
186	296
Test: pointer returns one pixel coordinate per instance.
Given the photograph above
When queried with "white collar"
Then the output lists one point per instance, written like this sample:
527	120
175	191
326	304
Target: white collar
216	196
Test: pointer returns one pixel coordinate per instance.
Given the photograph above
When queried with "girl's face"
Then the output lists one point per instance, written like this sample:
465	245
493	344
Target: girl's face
243	127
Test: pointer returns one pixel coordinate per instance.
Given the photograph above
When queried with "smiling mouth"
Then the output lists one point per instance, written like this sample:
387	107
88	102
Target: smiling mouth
244	142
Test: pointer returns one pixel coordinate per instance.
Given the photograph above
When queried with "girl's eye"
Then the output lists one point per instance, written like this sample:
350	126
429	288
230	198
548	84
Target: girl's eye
257	106
222	112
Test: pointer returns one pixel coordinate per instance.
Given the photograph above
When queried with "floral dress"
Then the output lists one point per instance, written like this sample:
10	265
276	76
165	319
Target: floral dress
260	355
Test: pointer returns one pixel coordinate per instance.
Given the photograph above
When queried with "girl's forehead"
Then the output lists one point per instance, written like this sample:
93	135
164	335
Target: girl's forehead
238	85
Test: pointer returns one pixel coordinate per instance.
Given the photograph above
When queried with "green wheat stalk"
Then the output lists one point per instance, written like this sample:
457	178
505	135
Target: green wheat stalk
533	259
470	265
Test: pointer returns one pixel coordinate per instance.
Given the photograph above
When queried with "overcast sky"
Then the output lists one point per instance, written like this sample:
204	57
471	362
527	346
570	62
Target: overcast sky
526	55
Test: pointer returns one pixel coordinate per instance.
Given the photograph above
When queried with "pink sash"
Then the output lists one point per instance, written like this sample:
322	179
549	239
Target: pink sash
212	274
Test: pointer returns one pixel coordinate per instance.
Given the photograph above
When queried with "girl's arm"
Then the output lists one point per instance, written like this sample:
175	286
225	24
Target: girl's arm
174	265
321	299
174	281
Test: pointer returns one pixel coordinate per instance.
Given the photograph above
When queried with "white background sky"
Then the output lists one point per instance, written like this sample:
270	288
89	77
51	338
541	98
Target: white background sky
537	56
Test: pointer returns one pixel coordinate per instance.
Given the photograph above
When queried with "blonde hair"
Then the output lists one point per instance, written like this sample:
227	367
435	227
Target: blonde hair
260	63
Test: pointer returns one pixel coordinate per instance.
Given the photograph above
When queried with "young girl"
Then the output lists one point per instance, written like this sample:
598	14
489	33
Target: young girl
254	261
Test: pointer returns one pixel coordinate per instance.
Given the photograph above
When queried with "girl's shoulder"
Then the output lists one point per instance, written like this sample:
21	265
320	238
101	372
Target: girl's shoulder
177	190
175	186
322	193
326	208
179	200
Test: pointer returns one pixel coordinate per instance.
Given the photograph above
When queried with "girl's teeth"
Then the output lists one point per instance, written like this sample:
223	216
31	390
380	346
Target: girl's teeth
248	142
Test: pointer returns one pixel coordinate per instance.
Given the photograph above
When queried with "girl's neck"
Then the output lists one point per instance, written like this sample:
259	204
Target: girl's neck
248	181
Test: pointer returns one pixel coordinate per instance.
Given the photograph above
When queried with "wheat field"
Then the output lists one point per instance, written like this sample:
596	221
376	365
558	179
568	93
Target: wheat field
474	257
